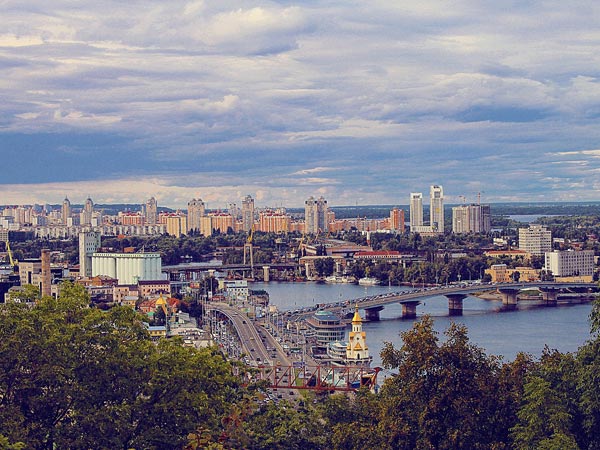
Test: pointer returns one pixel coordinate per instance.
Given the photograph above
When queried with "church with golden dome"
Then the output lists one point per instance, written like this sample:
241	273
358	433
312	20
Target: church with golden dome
357	351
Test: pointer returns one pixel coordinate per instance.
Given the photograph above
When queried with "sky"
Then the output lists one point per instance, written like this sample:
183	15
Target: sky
358	102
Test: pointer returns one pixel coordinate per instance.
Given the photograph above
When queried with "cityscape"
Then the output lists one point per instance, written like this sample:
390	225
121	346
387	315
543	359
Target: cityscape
216	295
66	221
299	225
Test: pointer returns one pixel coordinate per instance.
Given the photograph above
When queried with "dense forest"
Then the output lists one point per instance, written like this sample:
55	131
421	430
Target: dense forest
74	377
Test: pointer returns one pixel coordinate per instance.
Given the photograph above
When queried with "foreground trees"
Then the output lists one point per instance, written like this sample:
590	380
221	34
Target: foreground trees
76	377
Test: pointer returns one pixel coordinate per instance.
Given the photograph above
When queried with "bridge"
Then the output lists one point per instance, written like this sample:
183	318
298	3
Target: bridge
409	300
279	371
195	271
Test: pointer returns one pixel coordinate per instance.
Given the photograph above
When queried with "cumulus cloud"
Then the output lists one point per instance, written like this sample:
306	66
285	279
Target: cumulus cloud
286	100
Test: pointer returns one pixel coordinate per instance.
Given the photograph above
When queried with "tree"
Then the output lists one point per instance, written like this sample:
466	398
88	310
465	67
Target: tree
445	396
69	373
28	294
544	421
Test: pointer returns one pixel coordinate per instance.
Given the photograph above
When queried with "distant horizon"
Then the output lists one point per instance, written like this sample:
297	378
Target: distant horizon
382	205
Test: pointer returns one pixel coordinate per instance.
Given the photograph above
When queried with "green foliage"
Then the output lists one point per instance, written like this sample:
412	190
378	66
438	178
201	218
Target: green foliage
76	377
445	396
28	294
324	266
283	427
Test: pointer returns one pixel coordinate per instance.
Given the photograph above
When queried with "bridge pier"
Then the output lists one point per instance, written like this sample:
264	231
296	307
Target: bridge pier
409	309
455	304
266	274
373	313
550	296
509	298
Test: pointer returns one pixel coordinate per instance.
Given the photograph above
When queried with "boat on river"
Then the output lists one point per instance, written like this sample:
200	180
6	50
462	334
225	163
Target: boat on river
340	279
369	281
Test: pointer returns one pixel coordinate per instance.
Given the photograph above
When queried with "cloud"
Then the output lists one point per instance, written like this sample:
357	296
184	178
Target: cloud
286	100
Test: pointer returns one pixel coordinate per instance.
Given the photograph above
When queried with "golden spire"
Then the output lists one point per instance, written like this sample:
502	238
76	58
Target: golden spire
356	319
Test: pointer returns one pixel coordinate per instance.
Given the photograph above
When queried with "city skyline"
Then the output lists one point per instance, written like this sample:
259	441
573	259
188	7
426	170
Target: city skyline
357	103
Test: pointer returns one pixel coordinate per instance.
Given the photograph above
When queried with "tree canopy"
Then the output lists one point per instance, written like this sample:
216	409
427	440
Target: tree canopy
77	377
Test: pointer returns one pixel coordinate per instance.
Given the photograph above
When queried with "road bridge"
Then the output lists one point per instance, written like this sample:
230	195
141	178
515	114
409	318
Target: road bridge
280	372
454	293
195	271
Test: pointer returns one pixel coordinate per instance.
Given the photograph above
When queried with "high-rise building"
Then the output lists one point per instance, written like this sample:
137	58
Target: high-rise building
87	213
175	223
233	209
247	213
196	210
66	211
416	210
315	215
151	211
215	222
535	240
471	219
274	221
436	208
89	243
397	220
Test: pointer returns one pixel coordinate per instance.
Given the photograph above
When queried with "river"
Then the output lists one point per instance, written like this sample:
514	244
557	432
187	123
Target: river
505	334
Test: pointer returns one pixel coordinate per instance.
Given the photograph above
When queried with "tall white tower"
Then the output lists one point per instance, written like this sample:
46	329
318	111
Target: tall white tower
436	208
66	211
89	243
87	213
416	210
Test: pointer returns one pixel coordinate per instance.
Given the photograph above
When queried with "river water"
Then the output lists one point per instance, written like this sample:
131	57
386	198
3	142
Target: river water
502	333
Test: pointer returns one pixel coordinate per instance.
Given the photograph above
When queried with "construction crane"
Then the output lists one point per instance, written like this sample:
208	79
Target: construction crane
248	254
13	262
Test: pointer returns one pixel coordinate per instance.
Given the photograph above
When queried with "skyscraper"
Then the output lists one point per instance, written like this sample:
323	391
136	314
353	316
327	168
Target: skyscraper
247	213
87	213
436	208
195	211
471	219
416	210
66	211
315	215
151	211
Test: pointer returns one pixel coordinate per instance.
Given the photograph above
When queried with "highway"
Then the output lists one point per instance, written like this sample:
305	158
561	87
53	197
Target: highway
260	346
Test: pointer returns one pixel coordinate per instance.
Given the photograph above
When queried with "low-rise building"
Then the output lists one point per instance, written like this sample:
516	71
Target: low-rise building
326	327
570	263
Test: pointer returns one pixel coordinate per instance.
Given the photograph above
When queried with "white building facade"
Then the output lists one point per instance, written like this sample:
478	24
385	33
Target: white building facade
570	263
416	210
128	268
436	208
535	240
